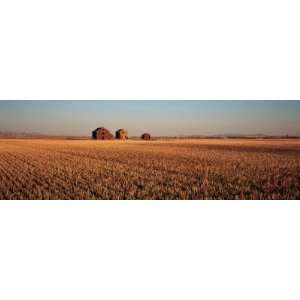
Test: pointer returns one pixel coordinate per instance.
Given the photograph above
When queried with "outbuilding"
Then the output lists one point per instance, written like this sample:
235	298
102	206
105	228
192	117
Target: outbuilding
122	134
145	136
102	133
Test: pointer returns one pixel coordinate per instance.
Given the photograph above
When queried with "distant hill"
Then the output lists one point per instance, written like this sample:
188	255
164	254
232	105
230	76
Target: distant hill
37	135
19	134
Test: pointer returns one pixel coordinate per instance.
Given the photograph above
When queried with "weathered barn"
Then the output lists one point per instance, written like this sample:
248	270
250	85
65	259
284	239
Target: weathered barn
102	133
122	134
146	136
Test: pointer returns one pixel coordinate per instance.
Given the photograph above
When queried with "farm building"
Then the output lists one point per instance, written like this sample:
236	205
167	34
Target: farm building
122	134
102	133
145	136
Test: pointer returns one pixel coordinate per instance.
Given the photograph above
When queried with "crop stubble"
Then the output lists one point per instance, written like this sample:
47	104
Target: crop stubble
162	169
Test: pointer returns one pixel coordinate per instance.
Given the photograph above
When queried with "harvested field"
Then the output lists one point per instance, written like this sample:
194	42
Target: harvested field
162	169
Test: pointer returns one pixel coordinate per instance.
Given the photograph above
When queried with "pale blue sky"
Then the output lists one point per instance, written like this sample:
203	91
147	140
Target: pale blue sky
156	117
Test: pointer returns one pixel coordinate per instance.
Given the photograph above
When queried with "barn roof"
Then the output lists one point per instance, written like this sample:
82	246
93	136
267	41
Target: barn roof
100	128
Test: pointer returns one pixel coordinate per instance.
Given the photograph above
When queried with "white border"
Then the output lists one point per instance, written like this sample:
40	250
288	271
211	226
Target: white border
149	50
149	250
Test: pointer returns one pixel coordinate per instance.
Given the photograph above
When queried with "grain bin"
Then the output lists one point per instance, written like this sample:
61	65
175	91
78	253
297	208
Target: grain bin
122	134
145	136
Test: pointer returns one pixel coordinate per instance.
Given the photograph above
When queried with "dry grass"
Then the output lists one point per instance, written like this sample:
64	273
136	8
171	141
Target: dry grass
173	169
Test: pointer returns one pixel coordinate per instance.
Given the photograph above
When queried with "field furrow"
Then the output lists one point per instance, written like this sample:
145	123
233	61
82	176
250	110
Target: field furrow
166	169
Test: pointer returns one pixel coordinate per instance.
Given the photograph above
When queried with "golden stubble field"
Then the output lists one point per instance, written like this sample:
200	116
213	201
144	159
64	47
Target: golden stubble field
162	169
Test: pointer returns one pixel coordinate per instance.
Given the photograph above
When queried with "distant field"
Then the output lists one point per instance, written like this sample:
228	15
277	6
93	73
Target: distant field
162	169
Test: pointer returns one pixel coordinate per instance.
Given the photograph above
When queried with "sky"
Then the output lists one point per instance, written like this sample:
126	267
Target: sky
159	118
